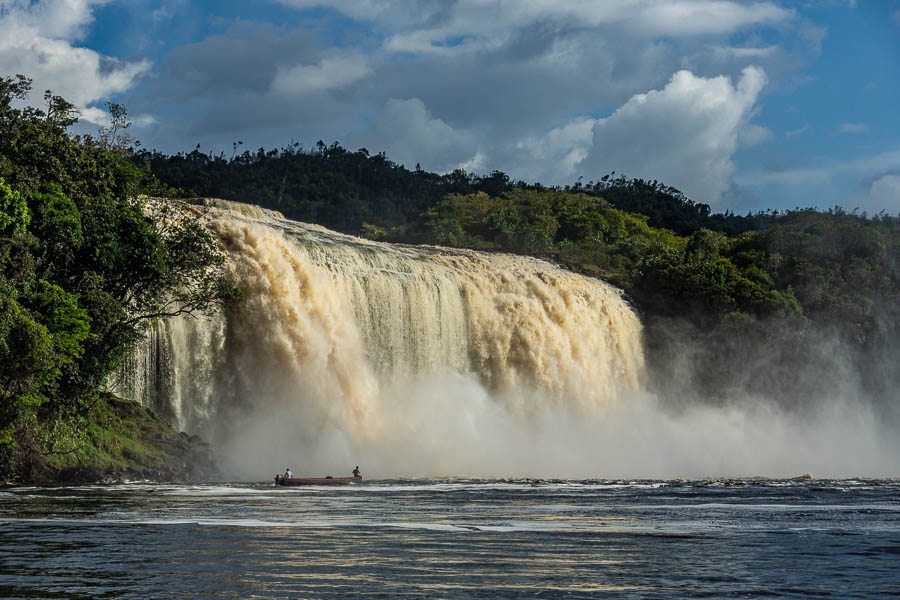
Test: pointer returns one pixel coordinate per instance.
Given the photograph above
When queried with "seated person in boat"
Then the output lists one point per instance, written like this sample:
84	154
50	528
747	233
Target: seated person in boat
288	473
356	471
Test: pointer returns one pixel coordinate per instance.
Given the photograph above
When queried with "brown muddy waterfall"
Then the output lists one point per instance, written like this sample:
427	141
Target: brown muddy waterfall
416	361
350	351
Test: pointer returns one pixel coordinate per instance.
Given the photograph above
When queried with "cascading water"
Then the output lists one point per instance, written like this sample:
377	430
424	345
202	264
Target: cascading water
341	346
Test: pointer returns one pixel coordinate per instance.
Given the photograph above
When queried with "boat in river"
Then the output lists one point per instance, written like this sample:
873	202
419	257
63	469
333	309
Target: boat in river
279	480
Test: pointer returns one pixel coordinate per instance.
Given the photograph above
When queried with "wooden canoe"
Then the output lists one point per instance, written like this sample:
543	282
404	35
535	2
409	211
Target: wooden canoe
279	480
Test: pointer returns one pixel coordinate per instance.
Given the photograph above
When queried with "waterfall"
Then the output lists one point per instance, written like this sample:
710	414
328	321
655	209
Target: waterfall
342	347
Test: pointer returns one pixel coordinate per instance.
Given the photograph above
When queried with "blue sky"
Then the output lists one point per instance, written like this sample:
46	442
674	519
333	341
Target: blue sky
744	105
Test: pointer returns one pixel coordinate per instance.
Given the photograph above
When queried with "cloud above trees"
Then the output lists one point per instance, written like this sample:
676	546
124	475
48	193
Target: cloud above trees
684	134
39	40
884	194
417	137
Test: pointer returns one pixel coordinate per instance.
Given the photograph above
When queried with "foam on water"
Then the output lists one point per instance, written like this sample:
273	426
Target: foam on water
213	491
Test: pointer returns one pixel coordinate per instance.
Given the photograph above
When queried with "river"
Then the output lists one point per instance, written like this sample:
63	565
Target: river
454	538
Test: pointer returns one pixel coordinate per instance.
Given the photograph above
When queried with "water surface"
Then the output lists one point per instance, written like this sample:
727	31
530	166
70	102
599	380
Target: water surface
455	539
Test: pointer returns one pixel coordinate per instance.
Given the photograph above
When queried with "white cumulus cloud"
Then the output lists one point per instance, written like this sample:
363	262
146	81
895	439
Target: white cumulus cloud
884	194
554	155
684	134
65	19
39	40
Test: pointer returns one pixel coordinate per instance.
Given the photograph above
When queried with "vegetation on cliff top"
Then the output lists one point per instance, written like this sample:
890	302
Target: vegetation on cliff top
85	266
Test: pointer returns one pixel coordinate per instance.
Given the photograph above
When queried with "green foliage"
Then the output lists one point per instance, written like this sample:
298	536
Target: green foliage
66	322
112	434
14	215
85	266
329	185
707	282
708	275
36	149
667	207
57	222
845	270
581	231
27	357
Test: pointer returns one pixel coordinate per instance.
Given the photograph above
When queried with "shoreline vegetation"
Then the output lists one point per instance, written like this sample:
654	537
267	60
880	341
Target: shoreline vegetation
120	441
783	305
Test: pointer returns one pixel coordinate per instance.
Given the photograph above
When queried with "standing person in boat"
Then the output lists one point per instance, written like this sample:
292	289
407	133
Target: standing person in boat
356	471
288	473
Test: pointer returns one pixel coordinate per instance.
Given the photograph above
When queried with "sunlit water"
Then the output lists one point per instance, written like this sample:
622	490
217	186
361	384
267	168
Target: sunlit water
455	539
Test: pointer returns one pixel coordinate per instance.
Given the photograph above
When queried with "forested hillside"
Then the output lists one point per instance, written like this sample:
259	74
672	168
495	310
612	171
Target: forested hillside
345	190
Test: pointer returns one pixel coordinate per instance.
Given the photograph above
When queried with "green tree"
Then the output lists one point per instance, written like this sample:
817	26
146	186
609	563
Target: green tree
86	265
14	215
